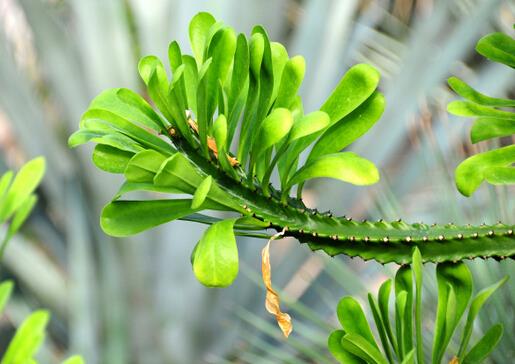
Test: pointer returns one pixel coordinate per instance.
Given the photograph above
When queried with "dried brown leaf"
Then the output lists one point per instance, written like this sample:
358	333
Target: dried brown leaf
272	301
454	361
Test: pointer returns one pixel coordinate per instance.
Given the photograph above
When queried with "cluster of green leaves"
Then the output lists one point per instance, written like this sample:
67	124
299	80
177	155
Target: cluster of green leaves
231	83
404	342
29	336
17	198
495	118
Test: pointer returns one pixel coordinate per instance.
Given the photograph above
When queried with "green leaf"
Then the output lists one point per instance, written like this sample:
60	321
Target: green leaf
215	262
404	283
143	166
354	88
380	326
292	76
410	358
353	320
131	130
6	288
498	47
346	166
359	346
351	127
76	359
279	59
110	159
400	325
256	50
456	276
240	71
5	181
383	299
201	193
467	92
150	65
500	175
198	31
471	172
308	124
476	305
128	187
334	343
25	182
485	345
417	273
174	56
487	128
467	108
129	105
27	339
110	138
19	218
191	81
124	218
273	129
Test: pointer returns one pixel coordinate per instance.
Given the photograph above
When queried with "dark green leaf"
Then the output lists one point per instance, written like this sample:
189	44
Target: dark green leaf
383	303
381	329
456	276
334	343
353	320
400	325
215	261
404	283
358	345
484	346
474	309
110	159
417	273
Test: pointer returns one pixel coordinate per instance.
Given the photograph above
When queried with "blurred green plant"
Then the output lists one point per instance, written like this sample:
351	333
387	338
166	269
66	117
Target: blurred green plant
16	203
404	342
493	121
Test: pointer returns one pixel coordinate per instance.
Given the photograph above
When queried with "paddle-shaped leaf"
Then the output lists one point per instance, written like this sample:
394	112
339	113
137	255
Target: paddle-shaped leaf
353	320
334	343
474	170
467	108
383	299
201	193
456	276
488	128
25	182
359	346
354	88
404	283
498	47
484	346
273	129
417	273
215	259
474	309
291	79
380	326
5	181
143	166
124	218
198	32
351	127
400	316
347	166
464	90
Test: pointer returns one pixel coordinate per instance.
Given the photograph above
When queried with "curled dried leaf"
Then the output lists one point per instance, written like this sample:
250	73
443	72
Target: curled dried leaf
272	301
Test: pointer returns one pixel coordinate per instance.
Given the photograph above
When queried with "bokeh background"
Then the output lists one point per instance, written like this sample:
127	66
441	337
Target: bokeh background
119	301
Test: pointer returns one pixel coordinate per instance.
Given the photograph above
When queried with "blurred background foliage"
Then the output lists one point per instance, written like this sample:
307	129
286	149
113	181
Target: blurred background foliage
136	300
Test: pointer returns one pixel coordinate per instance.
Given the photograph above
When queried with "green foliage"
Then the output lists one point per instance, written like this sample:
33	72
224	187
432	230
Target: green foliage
234	82
496	166
356	343
17	198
